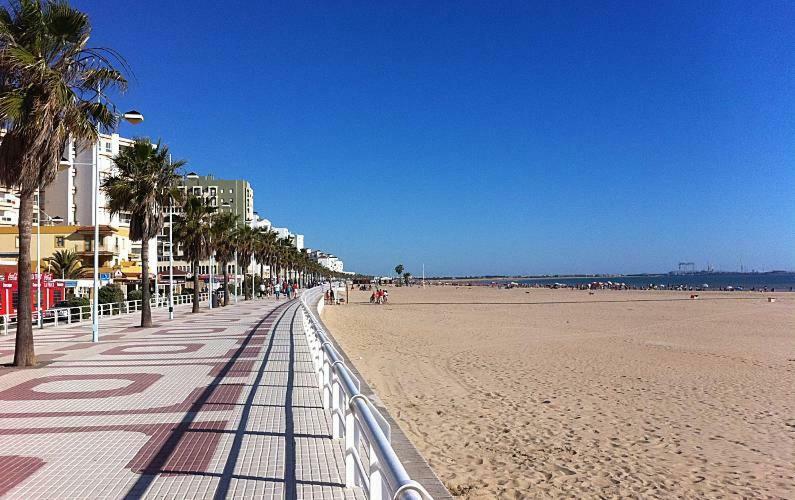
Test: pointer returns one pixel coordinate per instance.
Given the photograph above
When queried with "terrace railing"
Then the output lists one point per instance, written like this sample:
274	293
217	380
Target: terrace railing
78	314
370	461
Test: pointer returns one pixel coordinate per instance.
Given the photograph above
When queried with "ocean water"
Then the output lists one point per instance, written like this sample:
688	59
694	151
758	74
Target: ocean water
779	281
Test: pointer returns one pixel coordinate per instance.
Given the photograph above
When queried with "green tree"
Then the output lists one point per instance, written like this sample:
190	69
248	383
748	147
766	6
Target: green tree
51	83
406	278
399	270
142	185
65	264
223	228
110	294
245	241
264	250
192	231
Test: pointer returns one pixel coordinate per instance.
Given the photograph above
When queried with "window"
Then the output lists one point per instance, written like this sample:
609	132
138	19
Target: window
222	190
231	191
16	242
108	147
60	241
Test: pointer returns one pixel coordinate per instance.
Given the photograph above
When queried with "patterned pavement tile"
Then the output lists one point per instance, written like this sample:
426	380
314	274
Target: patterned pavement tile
218	404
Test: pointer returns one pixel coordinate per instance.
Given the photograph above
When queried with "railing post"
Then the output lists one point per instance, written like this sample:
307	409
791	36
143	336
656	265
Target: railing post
326	383
350	446
336	418
55	318
376	487
6	319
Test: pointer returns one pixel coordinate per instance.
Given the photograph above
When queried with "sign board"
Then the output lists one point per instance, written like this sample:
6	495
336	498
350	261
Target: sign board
104	276
70	283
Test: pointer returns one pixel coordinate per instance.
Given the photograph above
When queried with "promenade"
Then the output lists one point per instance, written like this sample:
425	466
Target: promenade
219	404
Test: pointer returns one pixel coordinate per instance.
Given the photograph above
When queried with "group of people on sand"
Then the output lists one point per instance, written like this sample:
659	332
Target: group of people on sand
379	296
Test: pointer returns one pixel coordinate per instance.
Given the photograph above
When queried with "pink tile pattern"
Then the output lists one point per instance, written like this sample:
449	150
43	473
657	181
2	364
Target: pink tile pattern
217	404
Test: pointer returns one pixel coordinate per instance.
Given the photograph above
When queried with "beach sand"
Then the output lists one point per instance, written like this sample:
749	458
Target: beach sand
557	393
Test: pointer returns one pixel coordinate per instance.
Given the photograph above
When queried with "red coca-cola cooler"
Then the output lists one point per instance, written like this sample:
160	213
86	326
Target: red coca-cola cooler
51	291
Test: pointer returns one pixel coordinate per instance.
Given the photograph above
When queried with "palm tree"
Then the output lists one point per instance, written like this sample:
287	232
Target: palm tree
406	278
245	238
266	244
399	270
192	231
49	91
65	264
142	185
223	227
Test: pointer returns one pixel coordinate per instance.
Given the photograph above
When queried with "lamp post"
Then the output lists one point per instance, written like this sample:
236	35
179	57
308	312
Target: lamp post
210	280
171	257
236	271
56	220
133	117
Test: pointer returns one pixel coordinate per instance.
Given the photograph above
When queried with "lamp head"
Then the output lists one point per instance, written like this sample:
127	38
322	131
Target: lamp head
133	117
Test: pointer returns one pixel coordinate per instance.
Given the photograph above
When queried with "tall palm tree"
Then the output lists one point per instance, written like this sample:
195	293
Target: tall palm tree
245	238
143	184
49	81
266	244
223	227
65	264
192	231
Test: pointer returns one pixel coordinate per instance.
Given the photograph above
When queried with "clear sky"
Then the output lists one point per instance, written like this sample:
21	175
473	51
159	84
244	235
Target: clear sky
484	137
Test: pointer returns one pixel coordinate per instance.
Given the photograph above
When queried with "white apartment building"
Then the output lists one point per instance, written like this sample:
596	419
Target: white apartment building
9	208
331	262
70	195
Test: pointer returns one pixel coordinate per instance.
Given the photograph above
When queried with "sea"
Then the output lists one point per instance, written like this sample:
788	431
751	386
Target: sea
780	281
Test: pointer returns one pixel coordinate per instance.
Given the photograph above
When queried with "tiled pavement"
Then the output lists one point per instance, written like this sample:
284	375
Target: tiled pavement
219	404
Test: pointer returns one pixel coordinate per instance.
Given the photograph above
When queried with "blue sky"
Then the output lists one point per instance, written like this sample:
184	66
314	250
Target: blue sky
484	137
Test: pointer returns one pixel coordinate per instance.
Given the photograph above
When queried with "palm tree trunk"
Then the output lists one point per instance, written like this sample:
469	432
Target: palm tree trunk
195	286
226	284
146	308
24	354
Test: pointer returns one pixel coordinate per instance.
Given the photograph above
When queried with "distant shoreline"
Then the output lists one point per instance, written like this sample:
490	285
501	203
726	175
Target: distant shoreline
602	276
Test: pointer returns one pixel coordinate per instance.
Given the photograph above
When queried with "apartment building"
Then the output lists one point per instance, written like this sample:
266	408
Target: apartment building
233	196
327	260
115	247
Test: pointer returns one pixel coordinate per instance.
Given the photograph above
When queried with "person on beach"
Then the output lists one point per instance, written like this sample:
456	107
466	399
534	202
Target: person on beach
276	291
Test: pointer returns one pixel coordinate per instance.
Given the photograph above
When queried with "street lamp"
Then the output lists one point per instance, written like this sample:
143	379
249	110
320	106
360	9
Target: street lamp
52	220
133	117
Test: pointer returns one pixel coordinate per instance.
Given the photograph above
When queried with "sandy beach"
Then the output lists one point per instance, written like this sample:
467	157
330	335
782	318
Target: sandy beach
557	393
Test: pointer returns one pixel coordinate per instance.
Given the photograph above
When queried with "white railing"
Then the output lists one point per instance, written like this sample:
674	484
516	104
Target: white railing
370	461
78	314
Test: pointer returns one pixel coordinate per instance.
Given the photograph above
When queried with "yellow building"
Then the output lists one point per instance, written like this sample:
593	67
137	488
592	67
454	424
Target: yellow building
115	249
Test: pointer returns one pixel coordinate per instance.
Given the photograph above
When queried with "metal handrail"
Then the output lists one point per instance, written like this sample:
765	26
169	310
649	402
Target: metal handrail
353	417
78	314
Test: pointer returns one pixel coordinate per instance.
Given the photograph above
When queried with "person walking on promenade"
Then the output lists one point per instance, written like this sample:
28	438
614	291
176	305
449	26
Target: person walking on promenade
261	290
276	291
